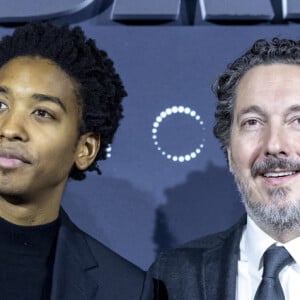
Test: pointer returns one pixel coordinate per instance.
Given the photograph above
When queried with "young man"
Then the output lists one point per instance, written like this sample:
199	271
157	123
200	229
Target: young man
60	105
258	125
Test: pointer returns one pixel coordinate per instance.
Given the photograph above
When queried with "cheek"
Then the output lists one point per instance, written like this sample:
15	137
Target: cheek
58	150
246	150
241	160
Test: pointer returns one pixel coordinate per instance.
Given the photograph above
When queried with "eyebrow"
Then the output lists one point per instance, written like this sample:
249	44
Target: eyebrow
252	109
4	90
39	97
48	98
293	108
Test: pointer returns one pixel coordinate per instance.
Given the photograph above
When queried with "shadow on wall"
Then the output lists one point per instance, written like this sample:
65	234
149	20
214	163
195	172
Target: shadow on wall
207	202
124	216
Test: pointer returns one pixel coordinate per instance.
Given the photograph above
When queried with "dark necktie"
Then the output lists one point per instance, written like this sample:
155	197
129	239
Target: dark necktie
275	259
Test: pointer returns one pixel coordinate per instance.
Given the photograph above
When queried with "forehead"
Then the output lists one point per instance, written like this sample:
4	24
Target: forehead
28	75
269	86
32	64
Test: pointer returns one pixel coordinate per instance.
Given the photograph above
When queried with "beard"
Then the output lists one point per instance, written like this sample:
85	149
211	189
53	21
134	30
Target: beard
280	215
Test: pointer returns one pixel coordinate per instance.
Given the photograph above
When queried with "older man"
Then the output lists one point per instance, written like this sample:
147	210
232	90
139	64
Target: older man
258	125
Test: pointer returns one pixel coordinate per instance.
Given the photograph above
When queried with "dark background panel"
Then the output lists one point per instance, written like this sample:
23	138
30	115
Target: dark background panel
144	202
148	199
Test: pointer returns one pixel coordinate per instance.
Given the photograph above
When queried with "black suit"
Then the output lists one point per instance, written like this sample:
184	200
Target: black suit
84	269
204	269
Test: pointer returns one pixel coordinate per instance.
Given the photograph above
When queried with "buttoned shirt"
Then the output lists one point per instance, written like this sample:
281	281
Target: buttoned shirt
253	244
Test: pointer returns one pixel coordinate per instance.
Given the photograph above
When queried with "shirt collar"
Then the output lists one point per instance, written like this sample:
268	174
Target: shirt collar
293	248
255	242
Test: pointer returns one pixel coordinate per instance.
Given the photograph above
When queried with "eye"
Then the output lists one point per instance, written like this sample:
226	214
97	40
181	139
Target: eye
296	122
42	113
3	106
251	124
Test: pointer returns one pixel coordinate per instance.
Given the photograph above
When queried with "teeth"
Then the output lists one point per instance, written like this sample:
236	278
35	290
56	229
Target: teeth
279	174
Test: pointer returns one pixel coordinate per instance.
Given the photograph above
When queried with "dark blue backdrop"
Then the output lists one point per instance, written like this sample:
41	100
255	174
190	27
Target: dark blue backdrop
146	201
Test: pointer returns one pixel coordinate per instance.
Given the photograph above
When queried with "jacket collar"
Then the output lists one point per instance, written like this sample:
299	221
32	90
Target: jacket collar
75	266
220	265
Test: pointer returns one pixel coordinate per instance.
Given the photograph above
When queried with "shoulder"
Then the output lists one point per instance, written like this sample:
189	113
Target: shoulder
179	272
211	240
110	259
110	263
115	272
191	254
116	277
186	256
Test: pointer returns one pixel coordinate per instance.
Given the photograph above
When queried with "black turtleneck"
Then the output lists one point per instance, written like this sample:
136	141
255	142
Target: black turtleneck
26	260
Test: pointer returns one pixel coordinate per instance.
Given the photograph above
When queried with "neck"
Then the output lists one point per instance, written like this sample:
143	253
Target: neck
26	213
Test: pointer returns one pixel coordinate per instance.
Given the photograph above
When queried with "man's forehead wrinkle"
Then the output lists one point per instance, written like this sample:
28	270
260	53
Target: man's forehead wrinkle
16	89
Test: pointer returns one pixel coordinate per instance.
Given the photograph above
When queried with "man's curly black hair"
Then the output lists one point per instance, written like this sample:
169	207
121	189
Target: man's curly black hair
261	53
100	87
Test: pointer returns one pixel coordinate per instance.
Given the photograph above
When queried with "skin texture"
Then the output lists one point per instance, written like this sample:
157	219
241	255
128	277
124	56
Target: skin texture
265	131
39	139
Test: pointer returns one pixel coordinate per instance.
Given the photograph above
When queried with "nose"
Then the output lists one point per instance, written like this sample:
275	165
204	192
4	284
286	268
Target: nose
12	127
277	142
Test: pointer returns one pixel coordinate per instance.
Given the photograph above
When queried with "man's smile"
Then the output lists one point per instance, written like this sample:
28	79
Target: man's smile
279	174
279	177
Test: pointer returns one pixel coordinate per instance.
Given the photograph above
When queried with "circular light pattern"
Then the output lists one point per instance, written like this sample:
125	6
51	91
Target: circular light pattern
155	129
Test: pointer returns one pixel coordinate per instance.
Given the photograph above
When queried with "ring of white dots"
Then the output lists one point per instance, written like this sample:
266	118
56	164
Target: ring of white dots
158	121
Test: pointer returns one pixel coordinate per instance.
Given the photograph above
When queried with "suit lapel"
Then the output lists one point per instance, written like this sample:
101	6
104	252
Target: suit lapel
74	265
220	266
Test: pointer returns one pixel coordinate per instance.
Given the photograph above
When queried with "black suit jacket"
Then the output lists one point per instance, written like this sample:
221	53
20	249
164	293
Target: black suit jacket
204	269
84	269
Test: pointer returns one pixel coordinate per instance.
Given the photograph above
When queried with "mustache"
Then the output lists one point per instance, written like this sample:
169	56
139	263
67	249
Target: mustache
272	163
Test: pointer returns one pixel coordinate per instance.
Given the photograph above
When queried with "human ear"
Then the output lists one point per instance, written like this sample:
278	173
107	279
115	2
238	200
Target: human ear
86	150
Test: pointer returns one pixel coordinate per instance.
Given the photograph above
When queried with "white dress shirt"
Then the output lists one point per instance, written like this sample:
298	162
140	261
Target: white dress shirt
254	243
